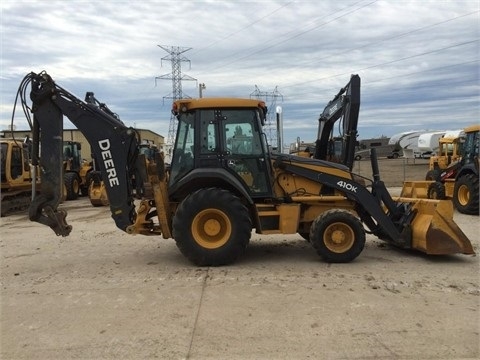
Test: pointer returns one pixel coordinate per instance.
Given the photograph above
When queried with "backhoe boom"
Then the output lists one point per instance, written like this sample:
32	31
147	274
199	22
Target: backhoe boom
113	143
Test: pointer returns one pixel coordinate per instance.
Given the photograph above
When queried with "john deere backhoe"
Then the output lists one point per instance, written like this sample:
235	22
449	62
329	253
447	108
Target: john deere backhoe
223	183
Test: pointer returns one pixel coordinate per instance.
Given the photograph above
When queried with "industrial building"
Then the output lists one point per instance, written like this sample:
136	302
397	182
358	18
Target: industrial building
146	136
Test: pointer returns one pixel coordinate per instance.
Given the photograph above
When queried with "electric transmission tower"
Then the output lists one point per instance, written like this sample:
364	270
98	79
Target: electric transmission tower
175	56
270	99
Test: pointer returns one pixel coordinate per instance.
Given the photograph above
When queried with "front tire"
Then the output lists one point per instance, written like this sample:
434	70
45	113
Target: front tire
436	190
465	194
72	185
212	227
337	236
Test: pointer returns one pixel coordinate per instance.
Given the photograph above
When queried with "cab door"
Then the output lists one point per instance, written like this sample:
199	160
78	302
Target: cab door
244	150
231	139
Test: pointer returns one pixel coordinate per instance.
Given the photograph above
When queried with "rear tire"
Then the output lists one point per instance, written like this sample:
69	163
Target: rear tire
212	227
337	236
436	190
465	194
72	185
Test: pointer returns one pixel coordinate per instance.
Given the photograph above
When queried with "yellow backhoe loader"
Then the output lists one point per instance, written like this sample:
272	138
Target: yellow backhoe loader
224	182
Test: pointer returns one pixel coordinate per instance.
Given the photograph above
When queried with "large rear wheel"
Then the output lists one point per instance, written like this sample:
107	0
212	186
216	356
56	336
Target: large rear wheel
337	236
212	227
466	194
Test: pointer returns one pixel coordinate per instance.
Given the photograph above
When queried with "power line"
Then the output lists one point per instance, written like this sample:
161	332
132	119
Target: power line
384	63
410	32
242	29
298	34
397	36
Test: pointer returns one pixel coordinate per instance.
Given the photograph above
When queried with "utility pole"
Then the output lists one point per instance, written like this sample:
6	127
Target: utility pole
175	56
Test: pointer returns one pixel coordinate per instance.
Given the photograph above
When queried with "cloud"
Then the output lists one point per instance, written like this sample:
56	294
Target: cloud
418	60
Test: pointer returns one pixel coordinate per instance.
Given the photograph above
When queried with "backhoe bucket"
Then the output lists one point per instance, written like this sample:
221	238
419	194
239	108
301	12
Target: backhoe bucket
433	229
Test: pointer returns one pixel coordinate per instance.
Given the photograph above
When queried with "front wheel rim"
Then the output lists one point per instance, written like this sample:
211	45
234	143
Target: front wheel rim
338	237
211	228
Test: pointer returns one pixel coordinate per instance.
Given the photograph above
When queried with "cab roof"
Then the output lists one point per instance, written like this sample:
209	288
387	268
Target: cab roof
211	103
472	128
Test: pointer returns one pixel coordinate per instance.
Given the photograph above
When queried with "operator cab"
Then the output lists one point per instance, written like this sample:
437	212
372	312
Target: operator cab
471	145
15	162
72	155
223	134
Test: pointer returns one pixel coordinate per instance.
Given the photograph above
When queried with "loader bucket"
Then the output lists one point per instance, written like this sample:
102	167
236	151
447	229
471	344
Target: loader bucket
433	230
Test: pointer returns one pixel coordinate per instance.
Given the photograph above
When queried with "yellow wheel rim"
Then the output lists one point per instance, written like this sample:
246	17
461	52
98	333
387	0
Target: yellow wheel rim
76	186
338	237
211	228
463	195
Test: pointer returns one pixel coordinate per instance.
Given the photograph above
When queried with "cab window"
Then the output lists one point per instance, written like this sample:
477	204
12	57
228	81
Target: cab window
183	154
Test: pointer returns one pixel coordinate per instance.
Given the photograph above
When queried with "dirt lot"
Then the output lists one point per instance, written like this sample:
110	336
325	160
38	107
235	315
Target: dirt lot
103	294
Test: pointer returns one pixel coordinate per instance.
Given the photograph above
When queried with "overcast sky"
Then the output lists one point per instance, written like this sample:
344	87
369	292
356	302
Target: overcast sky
418	60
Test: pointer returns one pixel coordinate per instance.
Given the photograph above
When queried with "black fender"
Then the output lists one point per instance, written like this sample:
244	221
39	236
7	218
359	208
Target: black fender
467	169
208	177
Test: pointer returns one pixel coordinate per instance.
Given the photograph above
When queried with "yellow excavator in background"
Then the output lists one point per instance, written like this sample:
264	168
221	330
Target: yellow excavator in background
17	175
223	183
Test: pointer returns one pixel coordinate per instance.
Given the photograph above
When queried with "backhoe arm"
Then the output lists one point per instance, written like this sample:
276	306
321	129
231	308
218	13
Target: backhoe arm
346	106
112	143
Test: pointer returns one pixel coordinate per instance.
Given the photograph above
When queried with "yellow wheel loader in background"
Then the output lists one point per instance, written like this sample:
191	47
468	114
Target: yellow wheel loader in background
76	171
224	182
457	181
